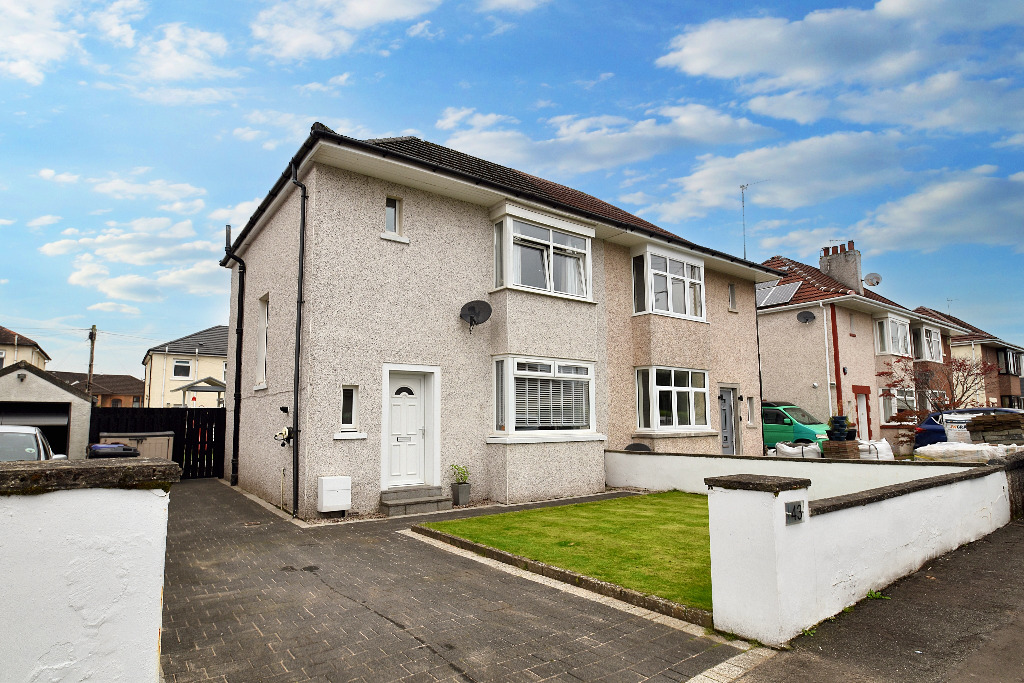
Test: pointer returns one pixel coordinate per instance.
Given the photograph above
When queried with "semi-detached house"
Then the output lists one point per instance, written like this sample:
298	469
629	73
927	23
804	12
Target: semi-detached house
825	338
605	330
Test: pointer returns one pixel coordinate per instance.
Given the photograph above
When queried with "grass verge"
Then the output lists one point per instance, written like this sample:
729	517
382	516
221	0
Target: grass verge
656	544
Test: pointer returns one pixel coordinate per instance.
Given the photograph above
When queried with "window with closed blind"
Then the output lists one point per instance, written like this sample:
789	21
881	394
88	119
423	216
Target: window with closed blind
533	394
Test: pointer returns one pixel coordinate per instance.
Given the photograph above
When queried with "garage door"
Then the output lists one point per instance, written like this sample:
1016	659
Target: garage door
53	419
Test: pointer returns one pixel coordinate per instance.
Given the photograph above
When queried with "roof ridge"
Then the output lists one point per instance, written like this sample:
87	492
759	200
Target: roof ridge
182	338
399	138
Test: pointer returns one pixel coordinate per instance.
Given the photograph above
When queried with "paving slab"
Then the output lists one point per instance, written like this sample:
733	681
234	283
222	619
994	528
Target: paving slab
250	596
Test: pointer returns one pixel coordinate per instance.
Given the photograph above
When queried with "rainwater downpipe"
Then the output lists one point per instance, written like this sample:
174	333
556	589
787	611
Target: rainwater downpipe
824	327
298	341
236	418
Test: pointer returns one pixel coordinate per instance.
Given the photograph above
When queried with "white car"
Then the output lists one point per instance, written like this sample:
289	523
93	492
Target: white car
25	443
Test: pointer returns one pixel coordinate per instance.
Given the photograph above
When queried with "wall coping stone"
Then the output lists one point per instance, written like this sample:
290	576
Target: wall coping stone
22	478
817	461
836	503
758	482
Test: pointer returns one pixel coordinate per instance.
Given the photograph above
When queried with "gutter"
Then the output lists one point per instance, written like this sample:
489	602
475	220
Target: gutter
236	418
320	132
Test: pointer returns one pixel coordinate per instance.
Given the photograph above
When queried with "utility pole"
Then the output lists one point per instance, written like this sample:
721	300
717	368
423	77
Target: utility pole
92	354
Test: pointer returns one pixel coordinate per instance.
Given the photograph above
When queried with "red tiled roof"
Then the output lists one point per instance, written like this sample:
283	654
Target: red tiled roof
118	385
815	285
8	337
975	334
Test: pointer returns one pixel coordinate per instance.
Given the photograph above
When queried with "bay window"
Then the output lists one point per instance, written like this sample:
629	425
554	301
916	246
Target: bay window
927	344
531	255
1009	362
672	399
543	395
668	284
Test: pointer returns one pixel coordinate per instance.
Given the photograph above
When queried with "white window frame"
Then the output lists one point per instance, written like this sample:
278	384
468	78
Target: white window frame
654	416
884	343
225	372
892	401
930	350
179	362
3	356
505	239
1010	362
507	370
733	301
349	429
688	261
262	342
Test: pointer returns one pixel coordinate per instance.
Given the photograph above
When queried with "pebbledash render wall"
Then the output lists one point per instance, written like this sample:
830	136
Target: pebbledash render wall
371	302
725	346
794	357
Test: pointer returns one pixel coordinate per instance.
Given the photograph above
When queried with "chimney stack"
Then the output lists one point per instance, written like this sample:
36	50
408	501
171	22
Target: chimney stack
842	263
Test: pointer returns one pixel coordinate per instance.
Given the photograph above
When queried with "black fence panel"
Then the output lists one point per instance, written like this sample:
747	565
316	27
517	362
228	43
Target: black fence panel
198	434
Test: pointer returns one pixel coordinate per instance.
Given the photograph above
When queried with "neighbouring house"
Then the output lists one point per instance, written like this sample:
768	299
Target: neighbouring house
825	337
605	331
33	397
108	391
1006	387
196	363
16	347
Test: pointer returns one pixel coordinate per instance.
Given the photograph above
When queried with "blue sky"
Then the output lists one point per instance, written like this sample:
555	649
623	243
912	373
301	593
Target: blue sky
132	131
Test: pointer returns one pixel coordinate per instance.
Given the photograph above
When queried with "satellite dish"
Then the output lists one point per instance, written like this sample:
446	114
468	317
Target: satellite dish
475	312
805	317
872	279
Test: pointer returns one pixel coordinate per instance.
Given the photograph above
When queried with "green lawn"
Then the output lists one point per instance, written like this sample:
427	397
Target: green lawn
656	544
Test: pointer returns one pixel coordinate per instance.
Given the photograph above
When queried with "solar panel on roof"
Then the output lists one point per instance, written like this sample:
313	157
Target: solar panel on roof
777	295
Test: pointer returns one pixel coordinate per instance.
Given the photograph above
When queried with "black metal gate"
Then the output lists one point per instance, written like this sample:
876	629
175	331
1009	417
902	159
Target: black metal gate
198	434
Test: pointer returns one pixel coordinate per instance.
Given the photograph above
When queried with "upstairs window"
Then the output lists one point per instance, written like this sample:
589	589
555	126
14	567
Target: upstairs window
549	260
670	285
892	335
182	369
392	215
1009	362
927	344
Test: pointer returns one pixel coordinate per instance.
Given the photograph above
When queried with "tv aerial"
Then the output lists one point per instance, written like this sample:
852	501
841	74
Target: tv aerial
475	313
872	279
805	317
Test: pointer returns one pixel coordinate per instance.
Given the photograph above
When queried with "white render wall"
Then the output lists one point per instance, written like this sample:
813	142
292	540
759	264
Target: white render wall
666	471
83	574
771	580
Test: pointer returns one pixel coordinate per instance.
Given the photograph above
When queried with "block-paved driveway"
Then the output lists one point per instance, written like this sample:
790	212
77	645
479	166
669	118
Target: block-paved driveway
251	597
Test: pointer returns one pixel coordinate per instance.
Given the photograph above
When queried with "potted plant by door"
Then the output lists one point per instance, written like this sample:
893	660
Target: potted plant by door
460	487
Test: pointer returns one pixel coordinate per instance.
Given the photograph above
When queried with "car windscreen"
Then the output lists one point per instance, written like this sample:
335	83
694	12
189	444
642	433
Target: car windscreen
802	416
18	446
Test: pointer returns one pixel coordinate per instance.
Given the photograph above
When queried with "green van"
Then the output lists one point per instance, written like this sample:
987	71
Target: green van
787	422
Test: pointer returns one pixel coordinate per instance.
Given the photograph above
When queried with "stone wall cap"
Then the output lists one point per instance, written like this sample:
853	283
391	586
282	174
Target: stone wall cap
34	477
757	482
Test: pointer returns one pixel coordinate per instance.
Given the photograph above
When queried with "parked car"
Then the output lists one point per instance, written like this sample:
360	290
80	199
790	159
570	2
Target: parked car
25	443
782	421
932	430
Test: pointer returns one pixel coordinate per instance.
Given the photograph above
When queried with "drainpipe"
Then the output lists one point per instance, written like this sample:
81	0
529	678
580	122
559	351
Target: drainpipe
163	381
824	327
236	418
835	361
298	341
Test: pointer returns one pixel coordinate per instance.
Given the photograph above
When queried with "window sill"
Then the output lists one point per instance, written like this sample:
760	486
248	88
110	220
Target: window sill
665	434
546	438
349	436
669	314
541	292
734	310
392	237
259	387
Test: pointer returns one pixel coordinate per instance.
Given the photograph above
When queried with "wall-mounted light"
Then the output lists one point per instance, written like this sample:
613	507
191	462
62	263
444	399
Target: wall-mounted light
21	376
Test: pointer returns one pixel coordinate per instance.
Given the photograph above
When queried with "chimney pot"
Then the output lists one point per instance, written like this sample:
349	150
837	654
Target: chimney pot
849	245
842	248
835	250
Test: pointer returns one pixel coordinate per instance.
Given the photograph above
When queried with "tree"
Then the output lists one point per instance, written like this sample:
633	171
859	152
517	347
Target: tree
918	389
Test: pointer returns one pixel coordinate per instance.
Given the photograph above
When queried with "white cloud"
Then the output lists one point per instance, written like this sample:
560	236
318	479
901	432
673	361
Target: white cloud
293	128
6	221
237	215
509	5
325	28
582	144
113	21
248	134
112	307
205	278
50	174
184	207
330	88
59	247
43	220
587	85
33	38
4	281
1011	141
174	97
69	231
801	173
794	105
182	53
422	30
119	188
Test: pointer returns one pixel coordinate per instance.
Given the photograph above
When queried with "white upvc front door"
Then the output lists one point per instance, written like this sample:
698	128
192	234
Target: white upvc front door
863	426
406	429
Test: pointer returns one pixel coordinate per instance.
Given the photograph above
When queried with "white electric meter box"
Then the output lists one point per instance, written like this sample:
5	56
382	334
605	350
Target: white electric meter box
334	494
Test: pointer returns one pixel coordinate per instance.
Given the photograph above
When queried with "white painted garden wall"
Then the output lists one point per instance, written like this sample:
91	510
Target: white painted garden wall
770	580
684	472
83	575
